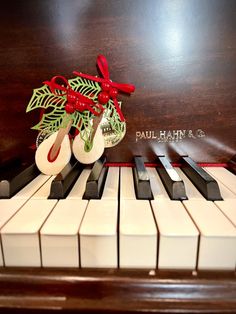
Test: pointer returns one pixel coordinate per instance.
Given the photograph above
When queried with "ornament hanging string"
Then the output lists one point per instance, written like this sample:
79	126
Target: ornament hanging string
75	100
109	89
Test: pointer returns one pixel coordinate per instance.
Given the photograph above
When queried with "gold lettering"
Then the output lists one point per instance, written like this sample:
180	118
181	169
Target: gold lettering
154	135
175	134
190	134
143	135
169	136
138	135
182	134
148	135
162	134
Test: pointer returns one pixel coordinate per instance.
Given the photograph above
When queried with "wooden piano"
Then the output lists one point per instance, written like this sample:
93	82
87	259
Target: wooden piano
181	56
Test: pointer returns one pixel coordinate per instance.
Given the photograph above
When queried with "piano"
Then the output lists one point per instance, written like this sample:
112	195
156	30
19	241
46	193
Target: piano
151	226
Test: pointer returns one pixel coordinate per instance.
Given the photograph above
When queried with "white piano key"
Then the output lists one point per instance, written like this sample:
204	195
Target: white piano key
191	191
78	189
112	184
226	193
32	187
127	190
228	207
224	176
43	192
217	248
7	209
138	235
158	189
178	236
59	234
98	234
214	241
20	236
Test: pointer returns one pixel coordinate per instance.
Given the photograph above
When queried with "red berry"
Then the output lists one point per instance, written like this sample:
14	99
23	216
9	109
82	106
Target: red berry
71	98
113	92
105	86
79	106
69	108
103	97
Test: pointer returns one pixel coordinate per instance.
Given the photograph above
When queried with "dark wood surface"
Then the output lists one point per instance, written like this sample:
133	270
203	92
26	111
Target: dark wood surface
116	291
181	56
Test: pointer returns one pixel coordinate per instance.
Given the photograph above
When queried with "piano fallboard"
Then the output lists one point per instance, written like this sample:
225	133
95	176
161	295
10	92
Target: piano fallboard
181	56
116	291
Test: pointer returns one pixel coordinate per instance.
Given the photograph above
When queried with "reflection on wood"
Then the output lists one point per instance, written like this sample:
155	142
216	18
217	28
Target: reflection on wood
180	55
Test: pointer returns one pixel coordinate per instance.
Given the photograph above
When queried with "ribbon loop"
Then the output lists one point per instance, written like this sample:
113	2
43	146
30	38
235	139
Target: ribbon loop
75	100
114	87
125	88
103	66
55	86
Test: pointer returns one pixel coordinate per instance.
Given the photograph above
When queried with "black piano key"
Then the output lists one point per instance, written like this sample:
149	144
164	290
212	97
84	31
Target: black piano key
203	181
232	165
96	180
65	180
8	164
141	180
171	180
16	176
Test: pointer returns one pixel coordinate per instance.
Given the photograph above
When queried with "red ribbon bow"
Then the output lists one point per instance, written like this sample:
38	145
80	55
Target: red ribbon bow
109	89
75	100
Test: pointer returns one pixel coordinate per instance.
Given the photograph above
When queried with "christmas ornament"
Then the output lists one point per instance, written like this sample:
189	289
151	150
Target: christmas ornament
109	89
60	159
87	105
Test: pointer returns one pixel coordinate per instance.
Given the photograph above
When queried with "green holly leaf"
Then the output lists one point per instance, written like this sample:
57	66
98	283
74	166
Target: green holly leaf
55	115
113	117
86	87
43	98
52	120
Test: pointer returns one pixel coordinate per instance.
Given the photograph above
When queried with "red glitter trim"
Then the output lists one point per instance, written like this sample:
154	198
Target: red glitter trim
130	164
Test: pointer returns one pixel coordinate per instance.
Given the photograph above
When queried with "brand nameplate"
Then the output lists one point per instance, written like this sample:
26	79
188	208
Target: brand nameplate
166	136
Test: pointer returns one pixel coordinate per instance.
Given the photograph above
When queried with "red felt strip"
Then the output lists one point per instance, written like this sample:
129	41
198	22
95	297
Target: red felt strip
129	164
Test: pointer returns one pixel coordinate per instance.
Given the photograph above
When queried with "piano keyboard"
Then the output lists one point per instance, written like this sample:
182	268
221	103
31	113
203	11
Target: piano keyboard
118	230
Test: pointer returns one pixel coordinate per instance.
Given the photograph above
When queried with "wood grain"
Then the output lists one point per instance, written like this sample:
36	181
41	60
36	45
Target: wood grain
181	55
116	291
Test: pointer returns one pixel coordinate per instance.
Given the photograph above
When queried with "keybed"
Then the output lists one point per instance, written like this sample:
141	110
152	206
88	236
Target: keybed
118	230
